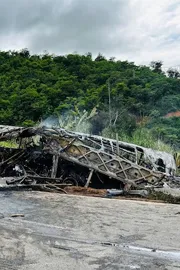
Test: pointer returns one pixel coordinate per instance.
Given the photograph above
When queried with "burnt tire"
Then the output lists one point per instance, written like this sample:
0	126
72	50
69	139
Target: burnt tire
70	181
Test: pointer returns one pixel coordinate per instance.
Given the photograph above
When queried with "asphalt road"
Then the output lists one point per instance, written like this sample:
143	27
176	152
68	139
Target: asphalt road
61	232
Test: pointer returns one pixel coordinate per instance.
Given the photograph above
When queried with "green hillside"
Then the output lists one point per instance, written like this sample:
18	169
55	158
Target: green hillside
34	87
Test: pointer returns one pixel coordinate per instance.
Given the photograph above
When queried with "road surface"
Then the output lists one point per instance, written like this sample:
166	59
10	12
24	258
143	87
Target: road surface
61	232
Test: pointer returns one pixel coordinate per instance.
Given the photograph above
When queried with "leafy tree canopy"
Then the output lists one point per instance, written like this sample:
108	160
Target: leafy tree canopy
127	96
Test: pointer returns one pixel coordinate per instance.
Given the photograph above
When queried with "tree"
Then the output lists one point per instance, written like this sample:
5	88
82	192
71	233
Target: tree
100	57
24	53
38	86
156	66
173	73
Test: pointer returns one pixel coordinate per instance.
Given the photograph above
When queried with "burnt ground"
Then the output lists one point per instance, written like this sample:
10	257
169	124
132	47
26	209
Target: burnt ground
77	232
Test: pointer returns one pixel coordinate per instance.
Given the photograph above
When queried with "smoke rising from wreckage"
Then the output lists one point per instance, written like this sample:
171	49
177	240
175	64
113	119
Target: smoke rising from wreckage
51	158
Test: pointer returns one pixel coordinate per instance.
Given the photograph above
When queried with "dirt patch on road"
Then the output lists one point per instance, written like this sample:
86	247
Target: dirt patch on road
156	196
86	191
153	197
102	193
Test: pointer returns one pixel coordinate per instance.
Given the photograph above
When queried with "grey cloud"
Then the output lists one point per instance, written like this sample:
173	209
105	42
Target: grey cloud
63	26
133	30
21	15
82	26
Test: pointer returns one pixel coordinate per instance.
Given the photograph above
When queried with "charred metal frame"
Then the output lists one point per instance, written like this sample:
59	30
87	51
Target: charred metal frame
73	158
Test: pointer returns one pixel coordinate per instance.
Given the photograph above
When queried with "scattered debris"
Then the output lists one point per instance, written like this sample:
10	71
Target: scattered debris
114	192
55	159
17	215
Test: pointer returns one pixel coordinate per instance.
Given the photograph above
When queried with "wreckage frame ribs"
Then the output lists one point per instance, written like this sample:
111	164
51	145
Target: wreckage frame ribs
76	149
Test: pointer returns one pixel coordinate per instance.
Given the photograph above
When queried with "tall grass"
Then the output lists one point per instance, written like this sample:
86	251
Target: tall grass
9	144
142	137
145	137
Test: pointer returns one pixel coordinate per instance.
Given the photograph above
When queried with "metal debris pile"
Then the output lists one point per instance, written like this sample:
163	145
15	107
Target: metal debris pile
52	158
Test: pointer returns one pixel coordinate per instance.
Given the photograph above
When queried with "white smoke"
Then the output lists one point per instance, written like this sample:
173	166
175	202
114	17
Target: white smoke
78	121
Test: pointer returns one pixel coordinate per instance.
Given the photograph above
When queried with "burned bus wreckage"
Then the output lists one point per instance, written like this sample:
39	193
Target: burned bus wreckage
54	157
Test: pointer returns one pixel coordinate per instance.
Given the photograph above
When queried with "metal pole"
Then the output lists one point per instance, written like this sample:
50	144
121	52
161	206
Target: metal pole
89	178
109	93
117	144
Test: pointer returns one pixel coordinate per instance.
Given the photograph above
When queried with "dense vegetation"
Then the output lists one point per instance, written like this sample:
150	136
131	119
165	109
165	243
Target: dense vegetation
130	99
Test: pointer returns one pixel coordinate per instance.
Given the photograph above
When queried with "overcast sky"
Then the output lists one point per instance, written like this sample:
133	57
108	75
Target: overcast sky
134	30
